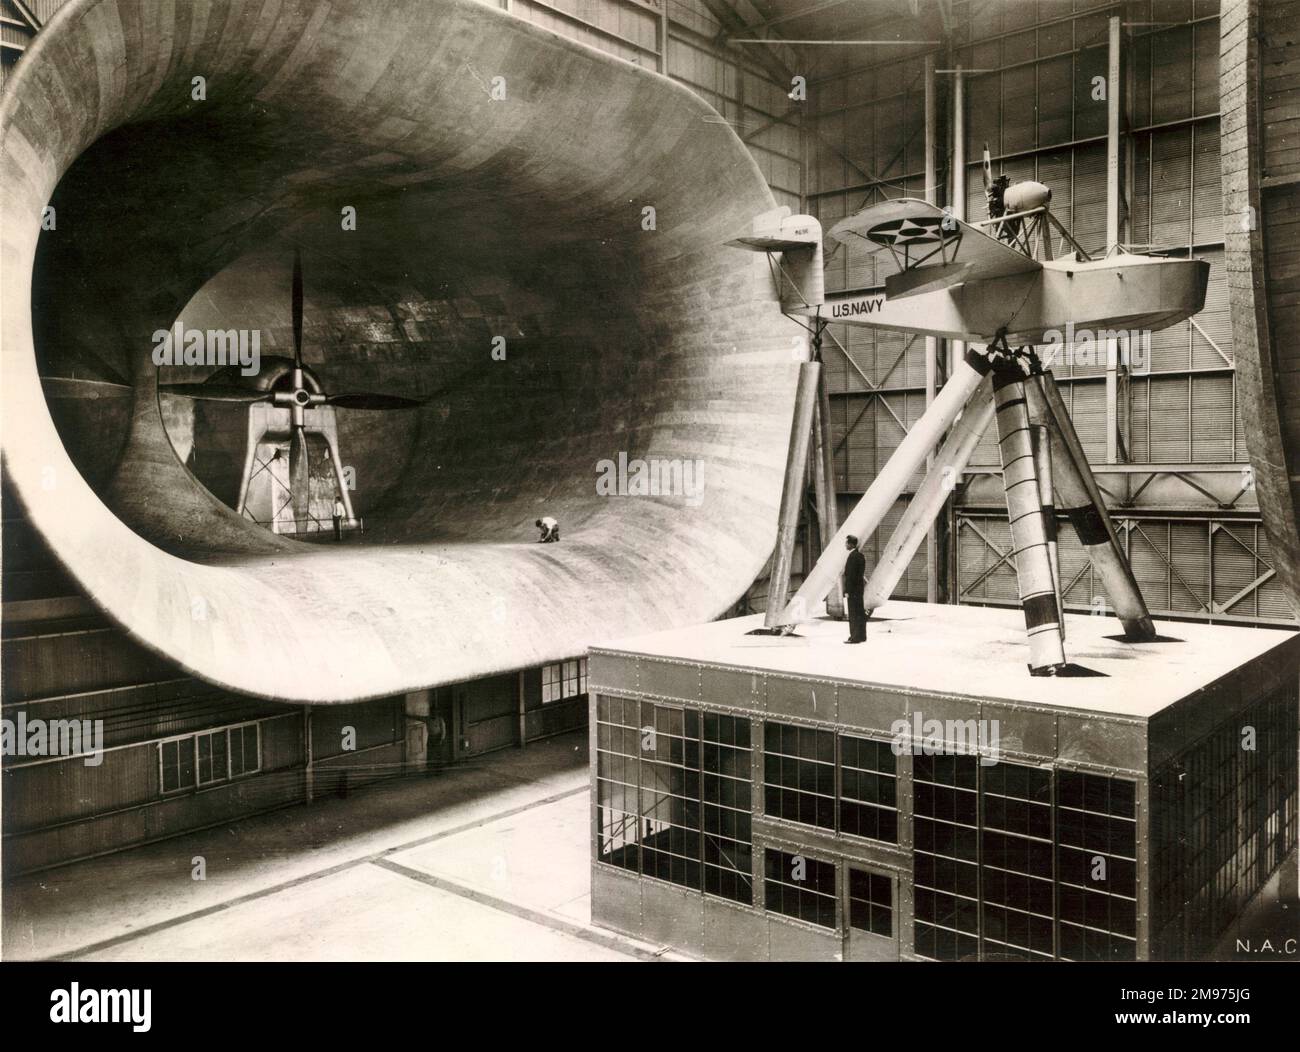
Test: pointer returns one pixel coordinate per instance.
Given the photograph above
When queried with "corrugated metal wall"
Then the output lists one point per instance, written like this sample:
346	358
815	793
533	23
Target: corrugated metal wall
1029	97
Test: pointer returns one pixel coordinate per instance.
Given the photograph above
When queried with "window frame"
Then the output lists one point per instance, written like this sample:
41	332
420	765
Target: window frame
837	925
560	684
616	832
852	930
243	729
195	784
837	798
190	786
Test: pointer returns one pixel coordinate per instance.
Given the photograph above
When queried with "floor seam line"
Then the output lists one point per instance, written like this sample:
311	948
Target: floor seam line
306	878
516	909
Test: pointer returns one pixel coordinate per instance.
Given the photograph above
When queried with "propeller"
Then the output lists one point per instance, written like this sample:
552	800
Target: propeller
298	398
988	169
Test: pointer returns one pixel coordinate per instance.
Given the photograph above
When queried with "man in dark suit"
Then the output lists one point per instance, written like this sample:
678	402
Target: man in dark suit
855	571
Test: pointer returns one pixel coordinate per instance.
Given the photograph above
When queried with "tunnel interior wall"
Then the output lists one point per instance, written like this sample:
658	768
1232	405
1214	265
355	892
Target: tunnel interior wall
524	215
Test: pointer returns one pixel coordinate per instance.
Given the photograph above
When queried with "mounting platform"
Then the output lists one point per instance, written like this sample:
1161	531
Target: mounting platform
978	653
984	813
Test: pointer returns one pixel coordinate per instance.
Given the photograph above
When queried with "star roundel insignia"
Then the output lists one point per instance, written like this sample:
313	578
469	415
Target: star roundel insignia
923	230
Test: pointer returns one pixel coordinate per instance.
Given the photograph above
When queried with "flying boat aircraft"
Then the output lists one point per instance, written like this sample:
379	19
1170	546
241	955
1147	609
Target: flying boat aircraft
980	283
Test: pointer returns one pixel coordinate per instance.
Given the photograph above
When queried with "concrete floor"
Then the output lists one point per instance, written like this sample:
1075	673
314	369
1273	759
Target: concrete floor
488	861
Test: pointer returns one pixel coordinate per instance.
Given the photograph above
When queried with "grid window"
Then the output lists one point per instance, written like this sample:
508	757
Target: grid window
799	774
673	795
211	753
871	902
670	794
868	804
245	750
1096	860
728	837
798	886
209	757
570	685
1016	861
551	679
946	855
1025	874
566	680
176	759
1223	817
618	739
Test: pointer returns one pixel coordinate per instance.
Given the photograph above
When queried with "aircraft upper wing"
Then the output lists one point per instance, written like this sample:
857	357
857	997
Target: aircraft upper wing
934	249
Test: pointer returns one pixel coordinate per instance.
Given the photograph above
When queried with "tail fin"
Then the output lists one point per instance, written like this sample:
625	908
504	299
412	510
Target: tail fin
800	269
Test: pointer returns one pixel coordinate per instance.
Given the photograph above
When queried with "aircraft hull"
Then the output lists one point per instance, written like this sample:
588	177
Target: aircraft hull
1140	293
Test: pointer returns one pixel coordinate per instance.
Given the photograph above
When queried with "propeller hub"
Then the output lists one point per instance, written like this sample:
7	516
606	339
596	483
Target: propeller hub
301	397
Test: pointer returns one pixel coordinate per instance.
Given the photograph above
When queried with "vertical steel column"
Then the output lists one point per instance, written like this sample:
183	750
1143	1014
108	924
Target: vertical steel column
956	348
796	467
661	37
931	344
1113	94
308	772
1025	514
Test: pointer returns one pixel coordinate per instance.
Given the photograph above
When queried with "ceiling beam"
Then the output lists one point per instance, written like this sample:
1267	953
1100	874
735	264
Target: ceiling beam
734	25
769	23
27	14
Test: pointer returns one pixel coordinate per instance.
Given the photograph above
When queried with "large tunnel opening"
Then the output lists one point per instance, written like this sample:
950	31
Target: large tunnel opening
476	297
547	268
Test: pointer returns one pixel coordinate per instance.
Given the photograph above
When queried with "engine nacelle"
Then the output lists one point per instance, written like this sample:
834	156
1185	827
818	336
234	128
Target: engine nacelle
1021	197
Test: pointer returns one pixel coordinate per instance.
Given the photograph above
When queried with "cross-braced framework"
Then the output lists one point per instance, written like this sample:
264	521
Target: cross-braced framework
1219	575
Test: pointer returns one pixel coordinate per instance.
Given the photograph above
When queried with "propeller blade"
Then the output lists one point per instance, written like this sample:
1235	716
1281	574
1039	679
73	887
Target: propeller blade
75	387
297	307
988	169
368	400
365	400
216	392
299	476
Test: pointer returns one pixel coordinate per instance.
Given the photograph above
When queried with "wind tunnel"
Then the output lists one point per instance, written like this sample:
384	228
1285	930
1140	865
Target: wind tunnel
499	177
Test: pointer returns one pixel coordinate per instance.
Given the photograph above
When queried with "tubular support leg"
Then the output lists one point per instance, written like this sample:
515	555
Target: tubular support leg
1028	538
1083	504
863	521
1043	469
824	473
928	501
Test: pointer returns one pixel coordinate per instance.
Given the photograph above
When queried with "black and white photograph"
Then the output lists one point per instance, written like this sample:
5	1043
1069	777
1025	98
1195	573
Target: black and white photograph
651	481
